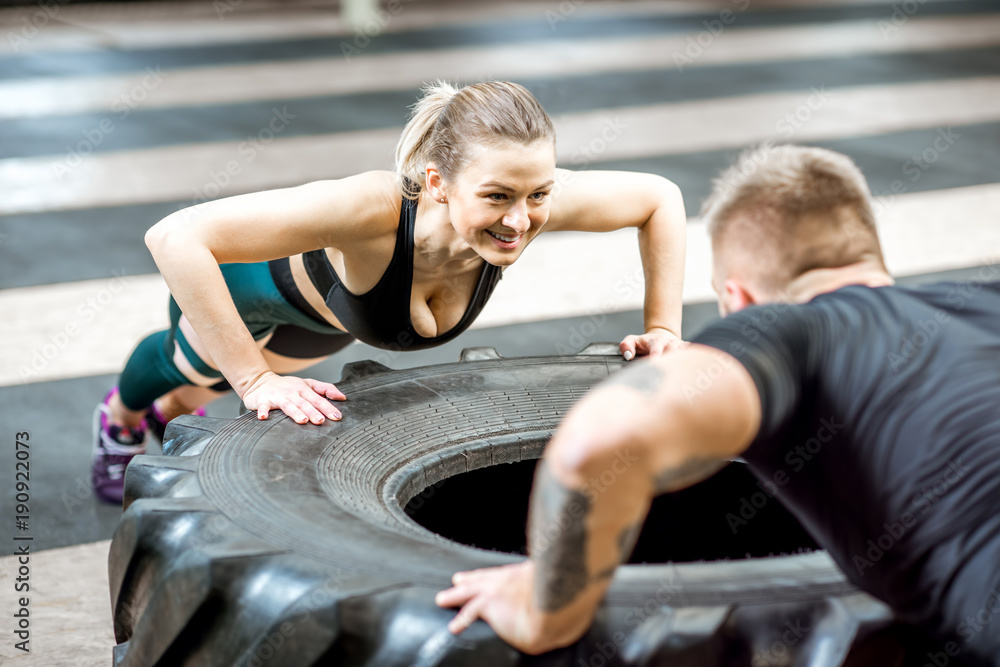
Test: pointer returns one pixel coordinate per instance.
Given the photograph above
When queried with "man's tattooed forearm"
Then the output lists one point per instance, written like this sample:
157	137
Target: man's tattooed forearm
643	377
557	541
558	537
687	473
626	540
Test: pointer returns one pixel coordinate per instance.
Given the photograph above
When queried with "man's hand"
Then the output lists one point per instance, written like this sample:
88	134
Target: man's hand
654	342
502	596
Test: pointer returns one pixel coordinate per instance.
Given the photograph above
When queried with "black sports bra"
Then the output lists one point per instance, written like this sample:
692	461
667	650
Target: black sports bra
381	316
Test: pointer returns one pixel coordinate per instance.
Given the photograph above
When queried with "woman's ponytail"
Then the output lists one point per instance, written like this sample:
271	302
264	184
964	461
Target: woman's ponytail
411	151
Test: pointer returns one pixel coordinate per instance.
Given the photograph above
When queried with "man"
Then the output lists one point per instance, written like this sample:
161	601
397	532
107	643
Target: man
874	411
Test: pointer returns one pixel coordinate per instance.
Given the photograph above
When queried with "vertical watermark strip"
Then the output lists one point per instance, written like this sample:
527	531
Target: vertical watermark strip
22	540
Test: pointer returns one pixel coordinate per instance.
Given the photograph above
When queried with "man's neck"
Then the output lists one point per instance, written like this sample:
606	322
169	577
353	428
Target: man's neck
869	272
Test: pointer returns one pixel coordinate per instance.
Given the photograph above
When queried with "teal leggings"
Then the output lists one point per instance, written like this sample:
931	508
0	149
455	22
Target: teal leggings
165	360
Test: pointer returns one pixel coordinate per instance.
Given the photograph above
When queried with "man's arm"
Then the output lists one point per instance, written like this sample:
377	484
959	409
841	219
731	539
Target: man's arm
660	426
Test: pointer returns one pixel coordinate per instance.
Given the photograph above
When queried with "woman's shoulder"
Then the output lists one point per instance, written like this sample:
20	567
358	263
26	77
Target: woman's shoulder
363	206
380	181
370	189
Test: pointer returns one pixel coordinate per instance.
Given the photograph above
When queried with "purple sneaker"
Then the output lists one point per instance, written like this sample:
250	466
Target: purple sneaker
114	447
158	422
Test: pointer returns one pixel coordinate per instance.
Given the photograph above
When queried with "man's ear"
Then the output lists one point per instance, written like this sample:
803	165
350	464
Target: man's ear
736	296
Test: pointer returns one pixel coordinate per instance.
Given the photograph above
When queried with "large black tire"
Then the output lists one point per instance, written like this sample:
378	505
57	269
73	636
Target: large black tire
270	543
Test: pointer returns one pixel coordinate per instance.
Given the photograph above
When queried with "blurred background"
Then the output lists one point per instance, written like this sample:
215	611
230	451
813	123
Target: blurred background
113	115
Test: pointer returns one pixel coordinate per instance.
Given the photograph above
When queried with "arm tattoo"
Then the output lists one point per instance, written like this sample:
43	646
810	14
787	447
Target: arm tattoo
626	540
643	377
558	538
557	541
690	472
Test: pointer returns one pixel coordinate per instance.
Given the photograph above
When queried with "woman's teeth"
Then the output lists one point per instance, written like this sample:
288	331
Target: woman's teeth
505	239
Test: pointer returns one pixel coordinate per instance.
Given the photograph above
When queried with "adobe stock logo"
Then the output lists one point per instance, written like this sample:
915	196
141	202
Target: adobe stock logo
796	458
896	530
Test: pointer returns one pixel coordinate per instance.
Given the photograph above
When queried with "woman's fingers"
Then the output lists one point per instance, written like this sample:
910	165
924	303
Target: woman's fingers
292	408
657	347
664	346
309	409
652	344
628	347
633	346
323	405
326	389
301	399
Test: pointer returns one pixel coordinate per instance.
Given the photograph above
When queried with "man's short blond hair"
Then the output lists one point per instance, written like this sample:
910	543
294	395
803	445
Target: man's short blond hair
781	211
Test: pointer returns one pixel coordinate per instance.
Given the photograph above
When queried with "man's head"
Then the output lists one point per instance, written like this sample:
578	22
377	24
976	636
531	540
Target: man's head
781	212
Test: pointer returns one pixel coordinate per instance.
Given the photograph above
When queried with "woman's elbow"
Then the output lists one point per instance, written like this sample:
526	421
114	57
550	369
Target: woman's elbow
156	236
168	233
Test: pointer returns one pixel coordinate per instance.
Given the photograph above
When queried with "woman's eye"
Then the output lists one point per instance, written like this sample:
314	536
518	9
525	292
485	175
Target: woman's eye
496	196
539	196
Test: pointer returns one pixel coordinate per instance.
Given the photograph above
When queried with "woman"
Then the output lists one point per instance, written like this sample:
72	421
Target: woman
271	283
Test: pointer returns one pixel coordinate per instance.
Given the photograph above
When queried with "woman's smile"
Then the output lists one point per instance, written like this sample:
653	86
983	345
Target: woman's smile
505	241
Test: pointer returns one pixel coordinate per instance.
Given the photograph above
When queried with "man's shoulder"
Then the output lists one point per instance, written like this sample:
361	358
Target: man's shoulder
844	314
753	324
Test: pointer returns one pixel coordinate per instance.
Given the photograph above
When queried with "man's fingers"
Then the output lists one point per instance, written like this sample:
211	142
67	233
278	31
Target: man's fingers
462	577
455	596
472	576
466	616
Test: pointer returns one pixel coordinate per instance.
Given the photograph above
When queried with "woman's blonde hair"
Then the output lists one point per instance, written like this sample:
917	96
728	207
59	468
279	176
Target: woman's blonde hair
447	121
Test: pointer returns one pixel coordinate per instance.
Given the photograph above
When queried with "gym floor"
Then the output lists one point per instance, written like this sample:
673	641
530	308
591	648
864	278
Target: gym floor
114	115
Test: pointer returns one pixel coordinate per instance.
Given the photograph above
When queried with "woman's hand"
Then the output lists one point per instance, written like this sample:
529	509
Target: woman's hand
654	342
301	399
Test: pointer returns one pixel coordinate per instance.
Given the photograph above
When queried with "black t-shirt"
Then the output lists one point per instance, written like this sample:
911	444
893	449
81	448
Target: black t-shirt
880	432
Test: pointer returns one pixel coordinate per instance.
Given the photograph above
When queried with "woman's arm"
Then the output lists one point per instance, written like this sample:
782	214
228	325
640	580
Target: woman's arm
603	201
188	247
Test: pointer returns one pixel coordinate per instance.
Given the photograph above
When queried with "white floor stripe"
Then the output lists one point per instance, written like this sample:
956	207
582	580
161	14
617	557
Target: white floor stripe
333	76
54	331
200	171
89	328
165	24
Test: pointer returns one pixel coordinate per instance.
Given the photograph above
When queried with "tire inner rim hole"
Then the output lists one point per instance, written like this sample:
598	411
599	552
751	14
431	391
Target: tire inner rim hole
728	516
